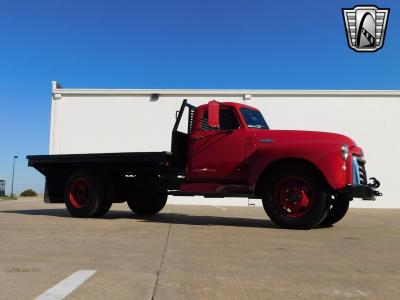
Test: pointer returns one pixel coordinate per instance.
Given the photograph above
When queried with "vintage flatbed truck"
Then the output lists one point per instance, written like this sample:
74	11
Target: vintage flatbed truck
304	178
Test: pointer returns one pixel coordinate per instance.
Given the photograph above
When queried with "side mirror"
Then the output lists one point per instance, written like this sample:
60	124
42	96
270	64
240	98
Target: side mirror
213	114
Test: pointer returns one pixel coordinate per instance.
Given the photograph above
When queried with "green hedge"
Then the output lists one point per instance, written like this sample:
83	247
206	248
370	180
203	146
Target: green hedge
28	193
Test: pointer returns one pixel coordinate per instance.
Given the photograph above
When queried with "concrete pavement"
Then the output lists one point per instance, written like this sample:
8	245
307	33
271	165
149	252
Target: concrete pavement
197	252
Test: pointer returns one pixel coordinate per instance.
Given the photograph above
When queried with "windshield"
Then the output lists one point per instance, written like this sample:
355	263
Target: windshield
253	118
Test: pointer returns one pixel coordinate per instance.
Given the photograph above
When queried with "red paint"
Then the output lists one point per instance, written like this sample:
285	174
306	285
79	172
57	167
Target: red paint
213	114
293	197
219	157
79	192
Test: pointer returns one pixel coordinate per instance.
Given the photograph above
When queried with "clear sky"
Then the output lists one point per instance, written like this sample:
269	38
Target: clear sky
171	44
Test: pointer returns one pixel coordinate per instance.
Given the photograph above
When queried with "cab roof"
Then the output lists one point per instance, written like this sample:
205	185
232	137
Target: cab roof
236	105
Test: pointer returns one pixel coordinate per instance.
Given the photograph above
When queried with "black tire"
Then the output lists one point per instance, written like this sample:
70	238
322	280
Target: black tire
103	208
148	202
84	195
337	211
295	198
106	202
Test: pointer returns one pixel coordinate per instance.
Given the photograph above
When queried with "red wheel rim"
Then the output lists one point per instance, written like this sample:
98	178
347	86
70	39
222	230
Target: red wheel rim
293	196
79	192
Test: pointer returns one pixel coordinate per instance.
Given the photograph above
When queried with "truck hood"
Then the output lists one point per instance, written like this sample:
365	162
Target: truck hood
299	136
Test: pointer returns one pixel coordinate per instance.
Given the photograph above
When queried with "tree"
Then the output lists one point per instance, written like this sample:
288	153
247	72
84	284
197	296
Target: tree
28	193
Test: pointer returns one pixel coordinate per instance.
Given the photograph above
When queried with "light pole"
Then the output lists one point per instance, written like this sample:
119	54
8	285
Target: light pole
12	181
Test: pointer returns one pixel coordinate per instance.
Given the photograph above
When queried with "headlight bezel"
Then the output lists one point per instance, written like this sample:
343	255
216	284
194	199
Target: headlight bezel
345	152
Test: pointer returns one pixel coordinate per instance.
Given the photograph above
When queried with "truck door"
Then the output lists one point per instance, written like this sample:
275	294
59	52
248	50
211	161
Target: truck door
216	155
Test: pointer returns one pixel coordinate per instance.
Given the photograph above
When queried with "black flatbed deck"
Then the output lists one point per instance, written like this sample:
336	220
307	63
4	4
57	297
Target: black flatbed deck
119	174
128	159
101	157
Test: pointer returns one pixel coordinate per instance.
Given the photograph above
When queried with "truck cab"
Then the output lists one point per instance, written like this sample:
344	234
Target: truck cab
231	151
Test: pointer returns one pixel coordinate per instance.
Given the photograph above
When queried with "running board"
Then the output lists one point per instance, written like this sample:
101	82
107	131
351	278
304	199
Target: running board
211	195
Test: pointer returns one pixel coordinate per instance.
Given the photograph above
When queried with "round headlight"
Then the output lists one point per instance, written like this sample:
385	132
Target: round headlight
345	152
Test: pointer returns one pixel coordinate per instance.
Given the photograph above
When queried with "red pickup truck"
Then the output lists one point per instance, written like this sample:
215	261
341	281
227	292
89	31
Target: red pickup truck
304	178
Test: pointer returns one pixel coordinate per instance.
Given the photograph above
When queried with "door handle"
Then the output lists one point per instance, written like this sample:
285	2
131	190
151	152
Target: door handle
197	138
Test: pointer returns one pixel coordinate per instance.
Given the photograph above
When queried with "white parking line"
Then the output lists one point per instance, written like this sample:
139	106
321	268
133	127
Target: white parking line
220	207
67	286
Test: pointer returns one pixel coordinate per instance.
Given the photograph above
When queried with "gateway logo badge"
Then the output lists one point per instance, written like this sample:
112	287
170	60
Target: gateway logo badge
365	27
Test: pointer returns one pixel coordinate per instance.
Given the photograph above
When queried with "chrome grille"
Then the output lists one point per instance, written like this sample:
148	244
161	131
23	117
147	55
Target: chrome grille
362	172
359	173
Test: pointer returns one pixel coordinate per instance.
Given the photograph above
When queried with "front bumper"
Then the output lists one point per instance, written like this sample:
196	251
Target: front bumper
360	187
366	192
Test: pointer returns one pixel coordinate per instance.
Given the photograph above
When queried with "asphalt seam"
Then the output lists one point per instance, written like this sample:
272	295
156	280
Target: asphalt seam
162	260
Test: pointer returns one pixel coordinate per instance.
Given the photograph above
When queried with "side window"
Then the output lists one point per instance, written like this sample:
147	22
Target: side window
227	120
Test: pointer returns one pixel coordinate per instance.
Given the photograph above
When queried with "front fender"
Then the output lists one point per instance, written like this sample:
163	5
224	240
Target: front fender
326	157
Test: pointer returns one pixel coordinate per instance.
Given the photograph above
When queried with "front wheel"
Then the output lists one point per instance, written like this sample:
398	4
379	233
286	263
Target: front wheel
337	211
295	199
148	202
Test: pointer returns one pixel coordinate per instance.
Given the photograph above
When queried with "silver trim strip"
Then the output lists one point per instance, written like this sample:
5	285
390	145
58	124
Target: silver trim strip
356	171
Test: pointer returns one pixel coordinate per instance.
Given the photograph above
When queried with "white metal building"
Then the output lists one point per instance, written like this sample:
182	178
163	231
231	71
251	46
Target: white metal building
123	120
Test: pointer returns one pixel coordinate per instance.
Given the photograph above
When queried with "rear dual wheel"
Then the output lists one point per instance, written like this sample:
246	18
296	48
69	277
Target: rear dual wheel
148	202
85	195
295	199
